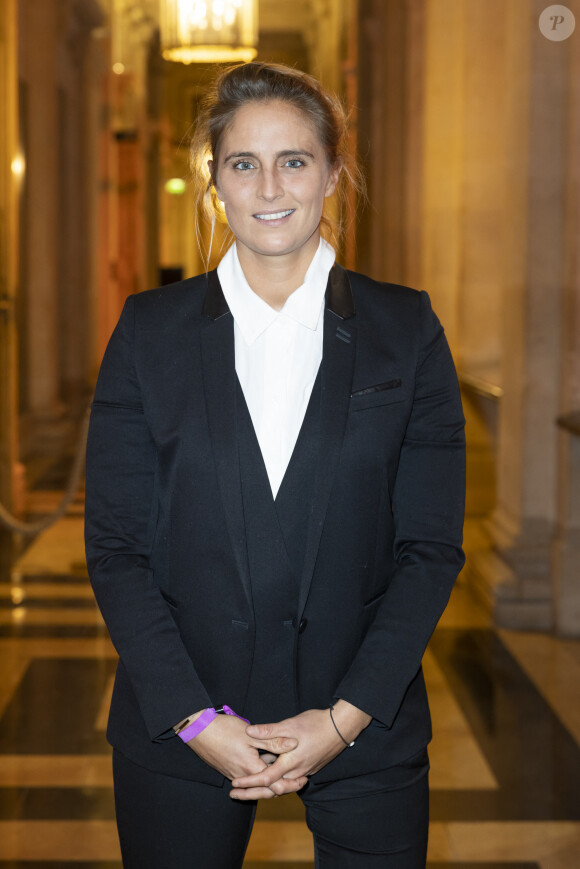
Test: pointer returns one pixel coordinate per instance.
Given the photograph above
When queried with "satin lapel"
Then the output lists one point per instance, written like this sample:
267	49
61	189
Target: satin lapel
219	377
337	370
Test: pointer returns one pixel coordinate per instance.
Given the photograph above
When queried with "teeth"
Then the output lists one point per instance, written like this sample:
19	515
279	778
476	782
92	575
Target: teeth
276	216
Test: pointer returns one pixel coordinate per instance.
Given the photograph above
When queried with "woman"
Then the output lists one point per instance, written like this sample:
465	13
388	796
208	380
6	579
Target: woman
274	509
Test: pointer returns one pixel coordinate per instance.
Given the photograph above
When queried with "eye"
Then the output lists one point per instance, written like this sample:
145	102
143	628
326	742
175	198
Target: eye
243	165
294	163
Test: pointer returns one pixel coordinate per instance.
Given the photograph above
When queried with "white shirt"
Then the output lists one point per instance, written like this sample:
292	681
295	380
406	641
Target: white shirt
278	354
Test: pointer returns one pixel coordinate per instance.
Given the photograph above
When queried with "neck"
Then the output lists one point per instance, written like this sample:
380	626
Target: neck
275	278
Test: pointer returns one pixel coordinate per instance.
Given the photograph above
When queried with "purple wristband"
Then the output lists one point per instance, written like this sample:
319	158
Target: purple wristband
192	730
206	717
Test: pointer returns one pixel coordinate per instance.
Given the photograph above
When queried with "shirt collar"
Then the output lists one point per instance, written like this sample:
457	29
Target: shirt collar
253	315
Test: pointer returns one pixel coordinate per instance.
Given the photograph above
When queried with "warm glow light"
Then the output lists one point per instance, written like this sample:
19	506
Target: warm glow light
17	595
176	186
210	31
209	54
18	166
118	68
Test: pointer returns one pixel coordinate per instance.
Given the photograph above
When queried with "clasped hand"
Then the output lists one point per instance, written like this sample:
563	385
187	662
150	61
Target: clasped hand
316	743
266	760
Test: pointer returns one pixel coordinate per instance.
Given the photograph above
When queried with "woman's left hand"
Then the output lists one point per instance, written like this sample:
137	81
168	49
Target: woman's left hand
318	744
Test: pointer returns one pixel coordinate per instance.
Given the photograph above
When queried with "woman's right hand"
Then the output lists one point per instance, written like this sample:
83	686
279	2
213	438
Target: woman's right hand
225	746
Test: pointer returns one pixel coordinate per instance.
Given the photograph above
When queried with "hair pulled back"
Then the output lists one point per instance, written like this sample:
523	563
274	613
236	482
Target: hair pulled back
235	87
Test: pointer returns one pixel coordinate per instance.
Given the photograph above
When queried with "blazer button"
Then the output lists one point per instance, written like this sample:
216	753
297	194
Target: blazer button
302	626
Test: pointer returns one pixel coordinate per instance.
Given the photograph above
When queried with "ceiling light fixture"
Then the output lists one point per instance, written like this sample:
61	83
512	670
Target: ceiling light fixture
209	31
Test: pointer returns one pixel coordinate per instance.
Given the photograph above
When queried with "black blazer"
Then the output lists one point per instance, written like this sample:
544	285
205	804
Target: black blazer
165	531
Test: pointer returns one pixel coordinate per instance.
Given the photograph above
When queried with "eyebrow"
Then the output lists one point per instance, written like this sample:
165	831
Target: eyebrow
291	152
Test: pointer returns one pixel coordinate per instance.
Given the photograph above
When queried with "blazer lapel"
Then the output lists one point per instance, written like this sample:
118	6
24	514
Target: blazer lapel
219	377
336	376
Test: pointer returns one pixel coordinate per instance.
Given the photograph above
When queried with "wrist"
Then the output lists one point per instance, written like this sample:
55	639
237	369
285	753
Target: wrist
194	725
350	720
190	731
187	721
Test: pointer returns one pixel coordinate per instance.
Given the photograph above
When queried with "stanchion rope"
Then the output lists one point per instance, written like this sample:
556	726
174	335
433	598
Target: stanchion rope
32	528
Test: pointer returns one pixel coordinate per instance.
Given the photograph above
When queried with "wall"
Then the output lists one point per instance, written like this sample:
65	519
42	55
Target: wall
469	129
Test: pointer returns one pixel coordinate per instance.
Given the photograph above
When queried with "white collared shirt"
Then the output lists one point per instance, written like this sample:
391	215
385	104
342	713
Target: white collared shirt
278	354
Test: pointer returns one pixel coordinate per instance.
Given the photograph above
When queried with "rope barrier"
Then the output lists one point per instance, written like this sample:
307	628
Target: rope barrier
32	528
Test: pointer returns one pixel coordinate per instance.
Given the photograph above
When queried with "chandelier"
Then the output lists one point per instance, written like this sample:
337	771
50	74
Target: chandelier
208	31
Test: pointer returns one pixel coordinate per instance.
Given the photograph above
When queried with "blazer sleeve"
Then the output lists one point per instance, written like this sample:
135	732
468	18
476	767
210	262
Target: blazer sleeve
120	523
428	502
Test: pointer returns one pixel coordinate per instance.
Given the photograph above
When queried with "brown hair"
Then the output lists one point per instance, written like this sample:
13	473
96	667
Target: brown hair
236	86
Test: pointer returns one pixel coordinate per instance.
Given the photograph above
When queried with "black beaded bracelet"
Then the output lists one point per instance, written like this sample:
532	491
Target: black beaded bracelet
348	744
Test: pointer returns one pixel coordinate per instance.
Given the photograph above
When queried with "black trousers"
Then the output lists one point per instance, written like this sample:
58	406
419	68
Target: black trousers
378	821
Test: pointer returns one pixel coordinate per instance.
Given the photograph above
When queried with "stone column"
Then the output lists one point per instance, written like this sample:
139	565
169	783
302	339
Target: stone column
350	75
382	132
78	169
414	114
95	177
72	277
39	25
10	169
566	552
441	248
125	149
537	83
483	189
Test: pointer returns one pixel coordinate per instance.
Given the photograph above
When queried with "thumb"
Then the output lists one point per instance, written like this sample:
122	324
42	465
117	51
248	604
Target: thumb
280	744
264	731
271	737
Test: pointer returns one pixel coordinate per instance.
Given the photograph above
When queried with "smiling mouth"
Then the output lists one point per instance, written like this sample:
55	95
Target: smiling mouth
278	215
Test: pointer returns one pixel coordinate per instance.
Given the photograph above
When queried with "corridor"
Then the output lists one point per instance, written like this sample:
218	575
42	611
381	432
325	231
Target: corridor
464	116
505	758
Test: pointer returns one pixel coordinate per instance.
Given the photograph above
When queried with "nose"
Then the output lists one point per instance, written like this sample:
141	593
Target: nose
270	185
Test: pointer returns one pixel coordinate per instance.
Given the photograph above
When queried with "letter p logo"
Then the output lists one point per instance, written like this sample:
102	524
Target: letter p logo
557	23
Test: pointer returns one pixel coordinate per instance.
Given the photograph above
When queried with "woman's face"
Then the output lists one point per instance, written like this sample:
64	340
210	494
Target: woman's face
273	176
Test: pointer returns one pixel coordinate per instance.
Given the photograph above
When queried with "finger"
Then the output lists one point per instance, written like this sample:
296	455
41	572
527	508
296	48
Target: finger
268	757
265	777
265	731
275	745
288	786
246	794
279	788
296	773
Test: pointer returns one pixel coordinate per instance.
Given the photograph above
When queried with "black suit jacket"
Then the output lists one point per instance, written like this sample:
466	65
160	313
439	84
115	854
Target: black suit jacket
165	530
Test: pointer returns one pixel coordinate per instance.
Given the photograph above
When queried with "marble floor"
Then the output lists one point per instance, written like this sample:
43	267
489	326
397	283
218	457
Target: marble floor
505	758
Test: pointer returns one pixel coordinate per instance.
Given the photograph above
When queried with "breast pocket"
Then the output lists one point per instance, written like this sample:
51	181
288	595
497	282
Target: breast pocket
387	392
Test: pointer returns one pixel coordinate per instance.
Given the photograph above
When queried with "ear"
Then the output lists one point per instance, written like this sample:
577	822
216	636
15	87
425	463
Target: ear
210	168
333	177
